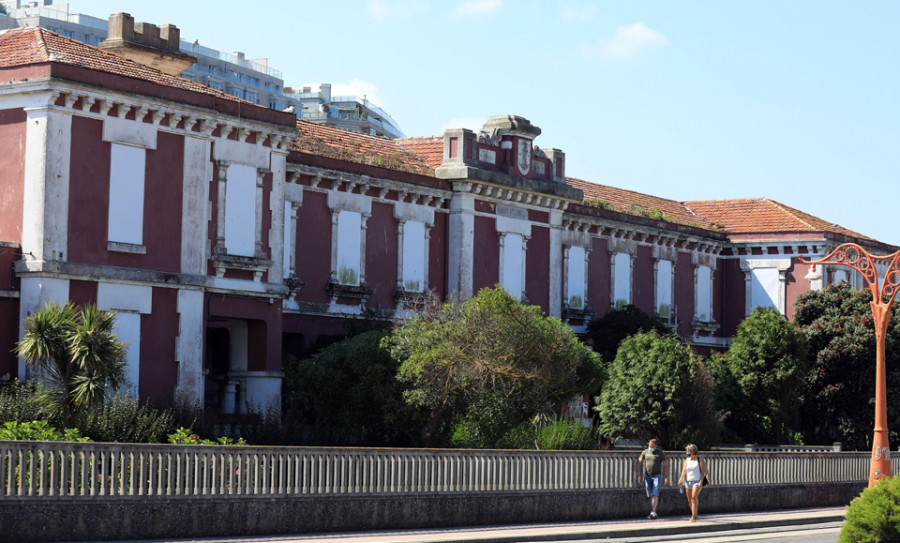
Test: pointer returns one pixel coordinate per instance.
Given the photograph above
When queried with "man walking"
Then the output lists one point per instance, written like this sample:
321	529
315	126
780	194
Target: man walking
655	471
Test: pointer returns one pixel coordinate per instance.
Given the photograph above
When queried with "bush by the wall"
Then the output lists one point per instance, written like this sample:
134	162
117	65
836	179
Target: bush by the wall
37	430
19	403
567	434
874	516
123	419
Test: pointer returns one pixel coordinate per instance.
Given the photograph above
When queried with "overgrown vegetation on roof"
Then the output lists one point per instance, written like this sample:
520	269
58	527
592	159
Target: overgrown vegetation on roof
650	213
598	202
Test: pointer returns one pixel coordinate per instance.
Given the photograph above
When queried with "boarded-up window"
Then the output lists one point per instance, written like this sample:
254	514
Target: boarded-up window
622	280
349	240
240	210
704	294
414	256
126	194
575	278
664	288
512	265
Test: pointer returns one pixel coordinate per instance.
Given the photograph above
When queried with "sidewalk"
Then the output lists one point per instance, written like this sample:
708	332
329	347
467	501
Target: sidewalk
570	531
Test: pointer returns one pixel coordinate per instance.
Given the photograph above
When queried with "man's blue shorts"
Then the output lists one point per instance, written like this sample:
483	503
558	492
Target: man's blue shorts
652	483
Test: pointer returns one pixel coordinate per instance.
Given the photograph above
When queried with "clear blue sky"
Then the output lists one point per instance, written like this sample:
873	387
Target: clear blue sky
795	101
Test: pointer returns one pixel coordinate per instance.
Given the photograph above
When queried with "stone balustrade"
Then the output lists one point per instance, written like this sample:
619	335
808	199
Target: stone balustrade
63	469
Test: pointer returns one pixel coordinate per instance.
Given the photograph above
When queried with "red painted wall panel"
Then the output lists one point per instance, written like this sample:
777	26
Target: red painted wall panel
82	293
599	283
642	283
735	289
159	329
486	260
9	327
8	257
12	173
88	192
163	185
537	268
795	285
437	253
314	247
684	293
381	255
89	201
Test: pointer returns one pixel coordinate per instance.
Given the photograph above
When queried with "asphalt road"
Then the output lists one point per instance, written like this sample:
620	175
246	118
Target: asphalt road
810	533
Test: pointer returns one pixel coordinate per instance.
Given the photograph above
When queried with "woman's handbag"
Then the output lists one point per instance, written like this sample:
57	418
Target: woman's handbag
705	481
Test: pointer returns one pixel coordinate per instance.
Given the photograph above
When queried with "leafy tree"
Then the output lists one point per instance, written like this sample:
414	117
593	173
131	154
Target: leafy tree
79	357
657	387
838	401
758	383
349	395
608	332
454	353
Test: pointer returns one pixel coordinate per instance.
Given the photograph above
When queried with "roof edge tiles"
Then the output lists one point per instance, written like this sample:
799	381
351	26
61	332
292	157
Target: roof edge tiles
73	60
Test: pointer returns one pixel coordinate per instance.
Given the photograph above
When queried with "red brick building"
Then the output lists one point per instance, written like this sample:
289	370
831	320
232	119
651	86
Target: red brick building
224	234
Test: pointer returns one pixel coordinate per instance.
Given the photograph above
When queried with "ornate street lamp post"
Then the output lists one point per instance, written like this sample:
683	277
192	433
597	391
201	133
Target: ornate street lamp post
883	294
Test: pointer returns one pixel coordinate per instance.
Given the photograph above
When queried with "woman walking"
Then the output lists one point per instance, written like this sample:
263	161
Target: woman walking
693	474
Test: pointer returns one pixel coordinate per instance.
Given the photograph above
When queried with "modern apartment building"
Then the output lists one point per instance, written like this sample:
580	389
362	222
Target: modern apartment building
348	112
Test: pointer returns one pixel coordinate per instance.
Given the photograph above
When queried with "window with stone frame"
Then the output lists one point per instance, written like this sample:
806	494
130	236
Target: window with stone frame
349	240
664	279
414	254
622	280
512	260
704	310
575	281
240	210
126	194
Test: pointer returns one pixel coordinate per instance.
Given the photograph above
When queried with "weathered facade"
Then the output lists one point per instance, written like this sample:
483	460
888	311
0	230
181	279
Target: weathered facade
224	234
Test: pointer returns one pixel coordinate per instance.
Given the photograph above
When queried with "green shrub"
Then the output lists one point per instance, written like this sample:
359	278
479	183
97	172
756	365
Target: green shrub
874	516
486	421
566	434
37	430
348	395
123	419
19	403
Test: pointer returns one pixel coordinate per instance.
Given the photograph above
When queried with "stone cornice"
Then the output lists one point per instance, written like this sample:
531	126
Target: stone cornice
460	174
178	118
325	179
521	196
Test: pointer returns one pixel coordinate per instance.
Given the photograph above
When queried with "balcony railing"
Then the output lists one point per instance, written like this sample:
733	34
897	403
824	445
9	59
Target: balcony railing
54	469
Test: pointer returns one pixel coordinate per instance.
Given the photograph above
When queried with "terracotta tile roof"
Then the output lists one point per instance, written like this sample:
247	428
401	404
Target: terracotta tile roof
636	203
35	45
750	215
341	144
428	148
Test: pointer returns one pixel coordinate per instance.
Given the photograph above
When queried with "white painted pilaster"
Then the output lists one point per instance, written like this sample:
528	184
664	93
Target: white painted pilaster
556	273
194	210
189	345
45	214
461	241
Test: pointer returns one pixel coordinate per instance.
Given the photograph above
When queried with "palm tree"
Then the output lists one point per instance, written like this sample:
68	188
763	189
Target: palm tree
80	359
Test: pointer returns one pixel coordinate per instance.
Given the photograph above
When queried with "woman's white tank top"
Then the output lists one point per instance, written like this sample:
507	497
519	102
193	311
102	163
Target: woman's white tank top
692	470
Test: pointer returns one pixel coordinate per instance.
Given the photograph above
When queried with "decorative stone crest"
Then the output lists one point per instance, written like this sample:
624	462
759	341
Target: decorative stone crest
523	157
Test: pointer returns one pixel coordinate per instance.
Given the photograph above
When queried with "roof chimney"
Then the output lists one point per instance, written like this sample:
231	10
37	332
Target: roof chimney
156	46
